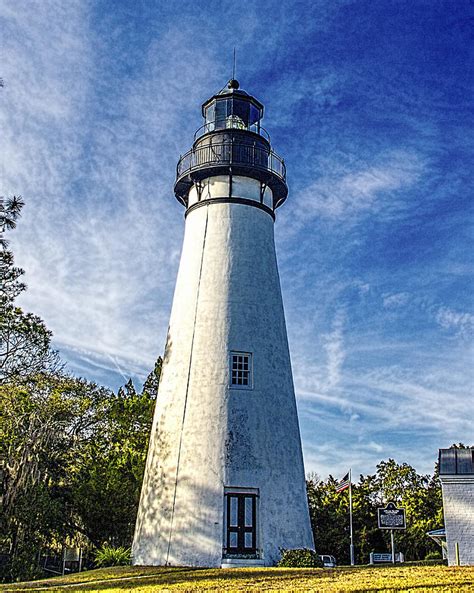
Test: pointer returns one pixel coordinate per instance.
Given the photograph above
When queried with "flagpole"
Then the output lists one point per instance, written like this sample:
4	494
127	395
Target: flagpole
350	518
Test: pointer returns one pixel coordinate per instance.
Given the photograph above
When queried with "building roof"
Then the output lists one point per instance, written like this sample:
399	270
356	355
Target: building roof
456	461
437	532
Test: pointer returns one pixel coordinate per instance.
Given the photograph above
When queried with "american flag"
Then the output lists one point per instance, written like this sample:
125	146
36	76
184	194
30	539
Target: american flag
344	483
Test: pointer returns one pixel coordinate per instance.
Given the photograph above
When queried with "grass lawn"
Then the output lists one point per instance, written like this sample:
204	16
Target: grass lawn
360	579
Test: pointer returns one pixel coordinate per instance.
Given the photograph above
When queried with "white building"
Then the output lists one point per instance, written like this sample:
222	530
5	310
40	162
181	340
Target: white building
456	472
224	482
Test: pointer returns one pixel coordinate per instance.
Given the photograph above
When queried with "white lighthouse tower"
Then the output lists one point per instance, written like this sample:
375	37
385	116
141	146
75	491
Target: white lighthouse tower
224	482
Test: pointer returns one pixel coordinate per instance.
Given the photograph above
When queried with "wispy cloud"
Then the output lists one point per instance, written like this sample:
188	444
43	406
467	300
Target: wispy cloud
343	193
397	299
460	322
372	241
334	347
101	232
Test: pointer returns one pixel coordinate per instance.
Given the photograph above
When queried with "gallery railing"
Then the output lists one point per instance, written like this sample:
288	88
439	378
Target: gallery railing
231	122
231	153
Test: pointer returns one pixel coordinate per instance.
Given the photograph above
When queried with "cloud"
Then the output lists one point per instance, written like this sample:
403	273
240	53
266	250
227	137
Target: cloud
344	192
462	323
334	347
372	445
371	242
397	299
101	232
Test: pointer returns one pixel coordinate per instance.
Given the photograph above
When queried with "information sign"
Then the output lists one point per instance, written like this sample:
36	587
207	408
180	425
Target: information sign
391	517
72	554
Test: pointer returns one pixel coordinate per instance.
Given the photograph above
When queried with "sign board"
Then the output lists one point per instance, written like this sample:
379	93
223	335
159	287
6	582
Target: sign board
375	557
391	518
71	554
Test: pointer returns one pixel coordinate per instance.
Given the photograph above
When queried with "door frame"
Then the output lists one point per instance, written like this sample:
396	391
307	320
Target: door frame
241	493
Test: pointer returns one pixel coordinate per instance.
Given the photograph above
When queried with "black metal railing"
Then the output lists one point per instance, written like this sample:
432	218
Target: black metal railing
231	123
231	153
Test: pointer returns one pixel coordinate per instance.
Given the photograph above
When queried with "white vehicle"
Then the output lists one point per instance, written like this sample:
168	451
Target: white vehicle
328	561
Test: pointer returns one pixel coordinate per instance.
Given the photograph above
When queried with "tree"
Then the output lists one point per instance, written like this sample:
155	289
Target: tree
25	342
25	345
109	470
72	453
74	461
10	210
152	381
420	496
45	420
10	287
329	517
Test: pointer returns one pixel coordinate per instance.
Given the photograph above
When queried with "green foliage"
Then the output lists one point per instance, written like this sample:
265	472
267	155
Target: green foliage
45	420
419	495
300	558
24	345
10	210
24	339
72	453
433	556
106	481
109	556
75	455
10	285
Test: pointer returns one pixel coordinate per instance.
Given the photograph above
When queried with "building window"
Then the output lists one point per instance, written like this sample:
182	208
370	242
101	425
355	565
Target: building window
241	370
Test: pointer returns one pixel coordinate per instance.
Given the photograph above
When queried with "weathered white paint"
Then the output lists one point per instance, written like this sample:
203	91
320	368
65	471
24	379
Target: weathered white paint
458	506
207	436
242	187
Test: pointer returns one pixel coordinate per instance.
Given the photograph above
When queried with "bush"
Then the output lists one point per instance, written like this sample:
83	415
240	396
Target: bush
300	558
435	562
108	556
433	556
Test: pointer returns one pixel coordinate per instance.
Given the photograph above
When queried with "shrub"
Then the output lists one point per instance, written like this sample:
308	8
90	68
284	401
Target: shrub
109	556
300	558
435	562
433	556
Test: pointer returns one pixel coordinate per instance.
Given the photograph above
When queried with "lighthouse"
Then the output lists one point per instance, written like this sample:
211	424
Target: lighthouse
224	483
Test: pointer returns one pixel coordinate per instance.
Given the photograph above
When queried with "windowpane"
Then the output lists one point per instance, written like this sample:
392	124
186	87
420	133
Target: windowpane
210	117
221	113
248	540
233	511
233	539
248	511
241	109
254	115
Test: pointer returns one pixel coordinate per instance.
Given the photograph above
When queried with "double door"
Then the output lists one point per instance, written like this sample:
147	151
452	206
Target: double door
241	532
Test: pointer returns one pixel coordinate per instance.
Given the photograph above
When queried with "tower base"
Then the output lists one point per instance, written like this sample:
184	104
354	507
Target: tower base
242	563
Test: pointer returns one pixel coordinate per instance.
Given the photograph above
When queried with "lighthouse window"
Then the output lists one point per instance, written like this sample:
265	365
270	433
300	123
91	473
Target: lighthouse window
241	370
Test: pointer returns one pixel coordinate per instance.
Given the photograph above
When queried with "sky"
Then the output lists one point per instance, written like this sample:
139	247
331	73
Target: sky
370	104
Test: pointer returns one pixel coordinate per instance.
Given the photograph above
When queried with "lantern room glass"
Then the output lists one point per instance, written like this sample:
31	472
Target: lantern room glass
232	112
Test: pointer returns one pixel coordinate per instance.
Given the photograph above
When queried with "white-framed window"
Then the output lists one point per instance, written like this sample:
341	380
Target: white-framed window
241	370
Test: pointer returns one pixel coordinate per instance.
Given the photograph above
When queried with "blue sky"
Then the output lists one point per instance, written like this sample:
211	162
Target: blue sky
369	103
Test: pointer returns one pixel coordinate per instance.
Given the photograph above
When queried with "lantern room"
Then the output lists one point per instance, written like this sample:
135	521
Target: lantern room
232	108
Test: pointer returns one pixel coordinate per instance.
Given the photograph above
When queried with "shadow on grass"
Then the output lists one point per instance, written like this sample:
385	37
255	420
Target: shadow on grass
298	579
193	577
167	576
